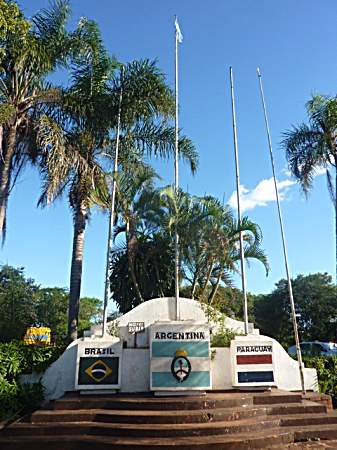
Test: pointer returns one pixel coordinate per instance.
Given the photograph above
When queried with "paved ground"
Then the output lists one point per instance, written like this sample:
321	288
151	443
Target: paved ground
314	445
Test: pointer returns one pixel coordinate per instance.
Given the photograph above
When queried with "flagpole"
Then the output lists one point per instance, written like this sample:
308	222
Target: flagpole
285	253
176	170
242	251
112	214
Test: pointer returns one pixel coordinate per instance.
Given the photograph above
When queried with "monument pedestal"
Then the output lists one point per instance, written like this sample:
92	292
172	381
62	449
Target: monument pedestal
98	365
179	358
252	362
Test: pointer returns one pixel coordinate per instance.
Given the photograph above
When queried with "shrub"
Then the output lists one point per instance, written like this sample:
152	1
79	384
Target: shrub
326	367
17	358
223	337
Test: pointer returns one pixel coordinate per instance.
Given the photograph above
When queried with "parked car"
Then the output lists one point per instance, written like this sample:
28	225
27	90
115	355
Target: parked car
315	349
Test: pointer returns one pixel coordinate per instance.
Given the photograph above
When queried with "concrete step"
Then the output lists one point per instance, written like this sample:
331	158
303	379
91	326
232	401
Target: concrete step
145	417
300	420
268	398
306	407
315	432
256	440
153	403
140	430
309	445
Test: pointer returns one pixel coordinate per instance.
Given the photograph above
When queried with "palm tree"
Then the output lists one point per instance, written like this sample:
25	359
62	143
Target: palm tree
29	55
314	146
72	138
228	255
153	267
142	258
209	238
134	185
80	136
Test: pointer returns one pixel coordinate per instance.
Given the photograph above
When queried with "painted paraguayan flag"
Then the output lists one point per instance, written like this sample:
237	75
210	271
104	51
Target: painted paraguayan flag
178	32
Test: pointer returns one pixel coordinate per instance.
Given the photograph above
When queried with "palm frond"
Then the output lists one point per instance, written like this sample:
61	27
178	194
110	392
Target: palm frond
256	253
52	21
55	162
145	92
305	150
159	140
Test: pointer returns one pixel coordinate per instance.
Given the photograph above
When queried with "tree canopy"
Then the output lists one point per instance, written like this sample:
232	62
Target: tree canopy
24	303
315	299
142	264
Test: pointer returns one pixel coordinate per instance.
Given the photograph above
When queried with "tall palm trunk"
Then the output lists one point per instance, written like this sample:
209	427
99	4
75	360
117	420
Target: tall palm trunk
131	242
194	284
5	174
215	288
80	217
208	277
195	280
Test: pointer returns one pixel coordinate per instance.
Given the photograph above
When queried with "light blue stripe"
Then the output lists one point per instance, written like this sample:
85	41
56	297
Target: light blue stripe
169	348
166	380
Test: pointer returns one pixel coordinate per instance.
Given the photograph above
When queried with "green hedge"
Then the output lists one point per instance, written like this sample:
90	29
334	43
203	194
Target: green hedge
17	358
326	367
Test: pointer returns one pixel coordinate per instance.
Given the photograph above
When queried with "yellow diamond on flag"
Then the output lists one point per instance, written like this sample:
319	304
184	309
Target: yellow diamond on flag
98	371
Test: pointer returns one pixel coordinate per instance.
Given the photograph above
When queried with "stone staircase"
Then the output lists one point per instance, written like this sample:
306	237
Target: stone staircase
231	420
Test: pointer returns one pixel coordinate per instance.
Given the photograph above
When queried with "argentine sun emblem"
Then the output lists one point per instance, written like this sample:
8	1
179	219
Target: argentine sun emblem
181	366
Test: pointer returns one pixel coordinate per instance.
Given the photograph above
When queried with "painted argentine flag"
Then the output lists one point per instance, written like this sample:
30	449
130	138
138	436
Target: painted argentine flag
178	32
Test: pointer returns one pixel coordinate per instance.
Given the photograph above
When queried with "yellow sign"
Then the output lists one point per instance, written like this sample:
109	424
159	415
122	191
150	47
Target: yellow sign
37	335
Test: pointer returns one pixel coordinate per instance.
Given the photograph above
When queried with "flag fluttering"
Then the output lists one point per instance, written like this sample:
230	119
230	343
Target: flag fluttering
178	32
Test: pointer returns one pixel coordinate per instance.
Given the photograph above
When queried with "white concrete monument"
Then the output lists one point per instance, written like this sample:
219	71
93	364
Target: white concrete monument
98	364
137	359
252	362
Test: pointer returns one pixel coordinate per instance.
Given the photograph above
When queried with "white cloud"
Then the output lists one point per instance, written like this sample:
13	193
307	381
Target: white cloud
264	191
261	195
320	171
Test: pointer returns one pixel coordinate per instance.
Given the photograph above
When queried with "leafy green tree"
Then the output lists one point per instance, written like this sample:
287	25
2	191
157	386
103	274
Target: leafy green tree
135	189
90	313
72	142
12	25
29	55
17	303
51	311
23	303
75	149
229	301
208	244
209	238
153	267
314	146
316	305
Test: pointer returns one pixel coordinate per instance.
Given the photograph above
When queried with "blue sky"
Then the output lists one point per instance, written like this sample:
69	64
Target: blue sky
294	44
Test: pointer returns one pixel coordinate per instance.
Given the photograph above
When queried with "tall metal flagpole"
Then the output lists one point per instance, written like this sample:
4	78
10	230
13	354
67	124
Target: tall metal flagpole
242	251
112	214
285	253
178	39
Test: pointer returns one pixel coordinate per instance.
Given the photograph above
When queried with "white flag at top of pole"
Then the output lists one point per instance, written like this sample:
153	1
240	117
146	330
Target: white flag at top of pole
178	32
